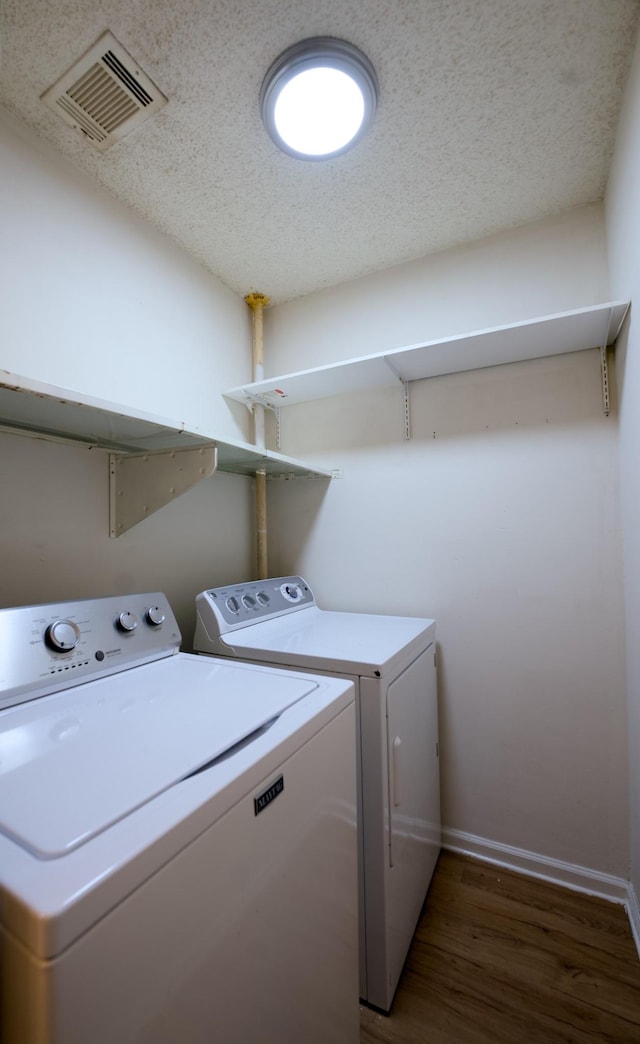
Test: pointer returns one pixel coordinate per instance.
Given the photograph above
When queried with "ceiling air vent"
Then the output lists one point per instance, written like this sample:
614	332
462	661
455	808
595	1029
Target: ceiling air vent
105	94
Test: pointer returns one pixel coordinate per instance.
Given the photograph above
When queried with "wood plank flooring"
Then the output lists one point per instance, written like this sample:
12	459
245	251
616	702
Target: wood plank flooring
499	958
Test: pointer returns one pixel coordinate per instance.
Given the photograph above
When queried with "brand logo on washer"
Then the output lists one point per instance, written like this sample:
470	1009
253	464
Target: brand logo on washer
268	795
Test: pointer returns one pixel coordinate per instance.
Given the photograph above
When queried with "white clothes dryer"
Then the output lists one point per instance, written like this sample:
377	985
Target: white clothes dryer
392	662
177	838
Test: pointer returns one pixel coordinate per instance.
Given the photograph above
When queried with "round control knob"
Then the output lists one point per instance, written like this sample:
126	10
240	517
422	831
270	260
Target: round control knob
291	592
248	601
233	605
263	597
63	635
155	616
127	622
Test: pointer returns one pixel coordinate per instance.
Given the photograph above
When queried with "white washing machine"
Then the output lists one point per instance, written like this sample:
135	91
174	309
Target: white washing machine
177	838
391	661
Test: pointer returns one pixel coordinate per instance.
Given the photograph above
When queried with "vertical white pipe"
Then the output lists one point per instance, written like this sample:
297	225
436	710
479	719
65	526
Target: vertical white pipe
257	303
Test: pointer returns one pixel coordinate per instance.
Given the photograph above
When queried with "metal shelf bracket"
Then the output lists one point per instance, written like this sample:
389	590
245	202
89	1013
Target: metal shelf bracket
407	410
276	410
604	374
604	368
406	402
141	483
266	402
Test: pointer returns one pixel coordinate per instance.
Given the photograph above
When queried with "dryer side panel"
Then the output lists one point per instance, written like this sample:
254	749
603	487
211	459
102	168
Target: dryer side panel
414	800
402	851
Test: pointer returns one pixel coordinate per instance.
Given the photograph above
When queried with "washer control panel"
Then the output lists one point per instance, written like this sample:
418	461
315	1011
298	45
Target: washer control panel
45	648
247	603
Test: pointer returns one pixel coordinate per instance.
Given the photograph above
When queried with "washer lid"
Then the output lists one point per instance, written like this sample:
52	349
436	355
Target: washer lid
75	762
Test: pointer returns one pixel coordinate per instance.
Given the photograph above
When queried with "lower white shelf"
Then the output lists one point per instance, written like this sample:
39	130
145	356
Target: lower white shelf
41	409
152	460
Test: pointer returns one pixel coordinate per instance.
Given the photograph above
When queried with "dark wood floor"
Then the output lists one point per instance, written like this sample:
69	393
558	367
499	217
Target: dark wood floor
499	958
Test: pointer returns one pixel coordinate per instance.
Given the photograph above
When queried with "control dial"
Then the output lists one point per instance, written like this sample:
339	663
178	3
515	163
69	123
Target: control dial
155	616
127	621
63	635
292	592
233	605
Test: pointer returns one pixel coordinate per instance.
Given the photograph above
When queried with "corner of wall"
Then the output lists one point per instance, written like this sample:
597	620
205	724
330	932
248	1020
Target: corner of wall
633	913
532	864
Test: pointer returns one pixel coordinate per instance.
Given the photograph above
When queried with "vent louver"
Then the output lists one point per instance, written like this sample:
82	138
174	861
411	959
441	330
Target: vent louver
105	94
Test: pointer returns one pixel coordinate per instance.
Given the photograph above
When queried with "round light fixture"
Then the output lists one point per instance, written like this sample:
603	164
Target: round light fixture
318	98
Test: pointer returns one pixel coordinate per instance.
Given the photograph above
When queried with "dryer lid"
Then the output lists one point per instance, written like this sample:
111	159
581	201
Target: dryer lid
366	644
75	762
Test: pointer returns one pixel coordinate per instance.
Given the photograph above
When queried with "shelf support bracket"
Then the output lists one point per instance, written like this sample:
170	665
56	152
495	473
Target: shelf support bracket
407	410
276	411
141	483
406	402
264	401
604	374
604	368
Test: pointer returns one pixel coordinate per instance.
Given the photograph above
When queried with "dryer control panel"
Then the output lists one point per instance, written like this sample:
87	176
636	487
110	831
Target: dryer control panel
243	604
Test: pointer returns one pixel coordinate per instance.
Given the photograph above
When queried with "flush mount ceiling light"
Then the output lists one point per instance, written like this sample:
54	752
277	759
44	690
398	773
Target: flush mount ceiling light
318	98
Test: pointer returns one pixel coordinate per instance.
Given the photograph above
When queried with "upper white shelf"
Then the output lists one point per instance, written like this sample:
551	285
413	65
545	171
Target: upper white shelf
34	408
574	331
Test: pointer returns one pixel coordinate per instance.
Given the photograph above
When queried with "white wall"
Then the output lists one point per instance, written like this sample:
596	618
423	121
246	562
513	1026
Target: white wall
623	225
499	518
54	532
560	264
95	300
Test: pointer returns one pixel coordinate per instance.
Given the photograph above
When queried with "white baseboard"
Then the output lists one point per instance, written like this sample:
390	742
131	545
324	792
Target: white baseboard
633	912
579	878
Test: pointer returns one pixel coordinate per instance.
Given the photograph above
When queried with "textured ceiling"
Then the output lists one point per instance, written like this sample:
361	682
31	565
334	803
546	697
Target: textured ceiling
492	113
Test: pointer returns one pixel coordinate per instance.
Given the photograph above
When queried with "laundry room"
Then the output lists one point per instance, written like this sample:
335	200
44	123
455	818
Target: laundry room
501	501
